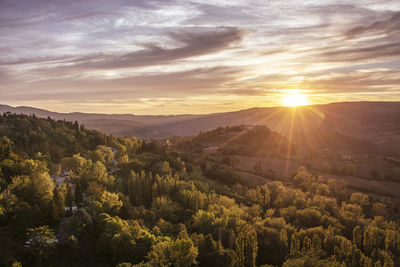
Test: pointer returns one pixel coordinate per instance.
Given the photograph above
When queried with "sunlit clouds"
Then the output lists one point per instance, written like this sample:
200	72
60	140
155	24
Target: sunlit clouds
174	57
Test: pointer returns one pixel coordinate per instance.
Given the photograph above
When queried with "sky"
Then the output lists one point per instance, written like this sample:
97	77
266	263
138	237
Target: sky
195	56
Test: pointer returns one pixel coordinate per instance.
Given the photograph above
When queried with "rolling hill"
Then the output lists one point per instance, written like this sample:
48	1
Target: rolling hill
372	122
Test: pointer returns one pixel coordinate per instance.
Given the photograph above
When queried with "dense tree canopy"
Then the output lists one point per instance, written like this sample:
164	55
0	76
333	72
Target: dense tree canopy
126	202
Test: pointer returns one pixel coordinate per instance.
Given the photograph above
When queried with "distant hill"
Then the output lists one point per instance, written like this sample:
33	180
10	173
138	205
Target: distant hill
260	141
144	126
239	140
377	122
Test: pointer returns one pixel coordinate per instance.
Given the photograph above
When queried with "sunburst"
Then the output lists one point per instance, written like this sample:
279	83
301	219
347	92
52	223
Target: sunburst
295	99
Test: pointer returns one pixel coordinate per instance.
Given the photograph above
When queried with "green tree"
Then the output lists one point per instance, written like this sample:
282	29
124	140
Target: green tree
96	172
74	163
123	241
168	252
6	147
272	246
357	237
246	248
41	240
166	170
110	203
211	253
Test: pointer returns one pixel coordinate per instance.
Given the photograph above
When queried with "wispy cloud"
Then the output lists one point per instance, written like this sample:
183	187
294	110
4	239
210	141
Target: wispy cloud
369	53
385	27
191	44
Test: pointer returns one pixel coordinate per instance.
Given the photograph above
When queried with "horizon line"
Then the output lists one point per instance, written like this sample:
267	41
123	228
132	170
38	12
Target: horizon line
196	114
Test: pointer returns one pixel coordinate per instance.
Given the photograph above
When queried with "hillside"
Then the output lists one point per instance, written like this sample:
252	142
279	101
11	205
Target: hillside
373	121
240	140
116	124
124	202
260	151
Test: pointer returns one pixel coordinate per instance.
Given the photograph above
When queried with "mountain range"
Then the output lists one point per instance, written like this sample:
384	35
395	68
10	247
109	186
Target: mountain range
376	123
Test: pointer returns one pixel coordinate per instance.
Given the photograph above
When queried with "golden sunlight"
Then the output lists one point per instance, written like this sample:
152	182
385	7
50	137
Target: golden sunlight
294	99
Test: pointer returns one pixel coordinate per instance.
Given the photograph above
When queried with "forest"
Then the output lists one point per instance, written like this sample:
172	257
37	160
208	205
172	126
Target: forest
123	202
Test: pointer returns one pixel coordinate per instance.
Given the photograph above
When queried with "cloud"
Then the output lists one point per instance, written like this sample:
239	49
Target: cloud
29	60
211	14
195	82
102	51
371	80
193	44
369	53
189	42
386	27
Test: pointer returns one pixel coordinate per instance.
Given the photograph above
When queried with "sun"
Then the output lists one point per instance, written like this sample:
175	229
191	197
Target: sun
294	100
